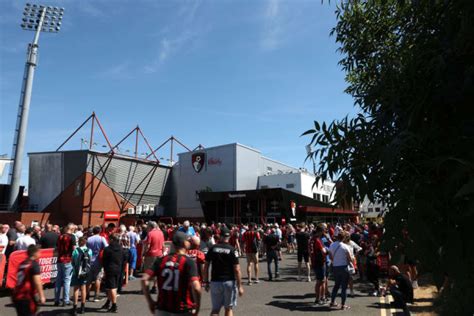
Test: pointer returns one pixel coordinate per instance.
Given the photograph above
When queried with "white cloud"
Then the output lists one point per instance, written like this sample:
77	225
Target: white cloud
119	71
281	21
272	28
167	48
175	37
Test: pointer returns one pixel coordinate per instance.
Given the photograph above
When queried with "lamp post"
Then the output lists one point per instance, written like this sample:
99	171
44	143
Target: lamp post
37	18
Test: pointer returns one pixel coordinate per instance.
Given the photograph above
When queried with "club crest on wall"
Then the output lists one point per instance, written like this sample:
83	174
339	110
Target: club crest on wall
198	161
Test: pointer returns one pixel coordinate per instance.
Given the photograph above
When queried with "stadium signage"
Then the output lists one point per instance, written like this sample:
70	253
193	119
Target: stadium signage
236	195
214	161
198	160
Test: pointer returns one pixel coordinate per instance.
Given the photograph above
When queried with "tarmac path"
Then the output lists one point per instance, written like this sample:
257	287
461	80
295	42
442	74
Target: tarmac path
281	297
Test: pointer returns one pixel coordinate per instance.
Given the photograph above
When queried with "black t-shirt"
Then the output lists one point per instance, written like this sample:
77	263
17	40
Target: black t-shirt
222	257
355	238
271	242
49	240
405	286
302	240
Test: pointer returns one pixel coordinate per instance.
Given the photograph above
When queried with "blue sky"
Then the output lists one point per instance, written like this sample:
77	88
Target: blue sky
209	72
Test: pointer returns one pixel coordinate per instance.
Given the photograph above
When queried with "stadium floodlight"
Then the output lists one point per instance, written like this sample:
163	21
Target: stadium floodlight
38	18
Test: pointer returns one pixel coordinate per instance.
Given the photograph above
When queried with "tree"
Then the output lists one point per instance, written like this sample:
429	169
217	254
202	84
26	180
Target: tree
410	69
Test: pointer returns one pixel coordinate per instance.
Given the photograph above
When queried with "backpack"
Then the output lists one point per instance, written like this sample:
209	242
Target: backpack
84	264
255	243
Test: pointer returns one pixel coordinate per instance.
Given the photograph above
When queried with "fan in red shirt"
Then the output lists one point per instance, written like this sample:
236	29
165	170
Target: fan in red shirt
178	281
197	255
318	262
28	284
251	240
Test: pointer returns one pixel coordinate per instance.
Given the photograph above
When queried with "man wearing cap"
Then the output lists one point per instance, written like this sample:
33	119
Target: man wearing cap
178	282
226	279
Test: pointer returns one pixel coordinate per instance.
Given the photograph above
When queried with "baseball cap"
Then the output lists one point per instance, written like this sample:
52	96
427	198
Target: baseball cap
179	238
225	232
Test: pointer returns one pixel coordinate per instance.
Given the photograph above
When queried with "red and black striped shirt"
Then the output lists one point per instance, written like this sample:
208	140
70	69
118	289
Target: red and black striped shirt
249	238
25	288
175	273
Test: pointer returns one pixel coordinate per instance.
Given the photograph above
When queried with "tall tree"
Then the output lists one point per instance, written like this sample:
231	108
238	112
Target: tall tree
410	69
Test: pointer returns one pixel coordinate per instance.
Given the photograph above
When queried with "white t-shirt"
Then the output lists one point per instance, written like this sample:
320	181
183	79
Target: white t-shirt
354	247
278	233
3	243
339	252
23	242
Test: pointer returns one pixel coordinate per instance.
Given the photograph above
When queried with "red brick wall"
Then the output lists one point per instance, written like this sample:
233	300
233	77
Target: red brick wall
87	207
24	217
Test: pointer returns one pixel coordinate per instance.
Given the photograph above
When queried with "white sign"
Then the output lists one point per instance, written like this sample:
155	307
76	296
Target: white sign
236	195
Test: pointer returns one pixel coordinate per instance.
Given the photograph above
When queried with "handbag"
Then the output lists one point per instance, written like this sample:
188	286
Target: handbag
351	269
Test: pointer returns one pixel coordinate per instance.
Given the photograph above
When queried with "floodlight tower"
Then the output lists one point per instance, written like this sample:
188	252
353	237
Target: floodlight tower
37	18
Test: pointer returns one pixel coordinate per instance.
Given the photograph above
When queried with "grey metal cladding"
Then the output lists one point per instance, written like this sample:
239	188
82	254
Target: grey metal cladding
141	183
74	165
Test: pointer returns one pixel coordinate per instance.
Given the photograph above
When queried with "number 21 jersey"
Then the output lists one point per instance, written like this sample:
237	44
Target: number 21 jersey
175	274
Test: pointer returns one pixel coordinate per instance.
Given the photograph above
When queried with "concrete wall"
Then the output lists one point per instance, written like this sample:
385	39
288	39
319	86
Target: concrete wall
217	174
302	183
228	168
248	167
285	181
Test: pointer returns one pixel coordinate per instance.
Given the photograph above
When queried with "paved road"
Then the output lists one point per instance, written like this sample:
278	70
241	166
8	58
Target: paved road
281	297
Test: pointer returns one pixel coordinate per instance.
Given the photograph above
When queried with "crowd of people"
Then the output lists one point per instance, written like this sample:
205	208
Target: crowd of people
201	257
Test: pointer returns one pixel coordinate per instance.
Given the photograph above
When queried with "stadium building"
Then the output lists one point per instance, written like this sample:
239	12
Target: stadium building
227	183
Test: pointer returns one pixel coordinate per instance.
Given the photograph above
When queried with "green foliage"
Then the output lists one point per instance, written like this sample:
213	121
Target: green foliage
410	69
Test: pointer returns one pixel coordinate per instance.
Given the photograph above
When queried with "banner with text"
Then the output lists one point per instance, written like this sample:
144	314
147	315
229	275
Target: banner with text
47	261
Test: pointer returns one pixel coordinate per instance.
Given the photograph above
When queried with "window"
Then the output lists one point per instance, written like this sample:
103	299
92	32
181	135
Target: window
290	185
269	169
317	196
377	209
370	210
325	198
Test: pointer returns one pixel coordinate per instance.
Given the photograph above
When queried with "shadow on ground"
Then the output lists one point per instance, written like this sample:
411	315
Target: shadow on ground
298	306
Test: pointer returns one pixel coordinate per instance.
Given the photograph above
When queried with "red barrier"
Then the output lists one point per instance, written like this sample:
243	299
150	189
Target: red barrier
47	261
3	259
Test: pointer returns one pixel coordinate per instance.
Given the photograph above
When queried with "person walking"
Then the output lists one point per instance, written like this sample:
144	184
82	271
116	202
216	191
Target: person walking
318	261
96	244
154	247
81	267
271	244
355	249
178	282
371	252
125	243
341	258
226	277
65	247
302	242
28	285
197	255
132	261
252	239
112	260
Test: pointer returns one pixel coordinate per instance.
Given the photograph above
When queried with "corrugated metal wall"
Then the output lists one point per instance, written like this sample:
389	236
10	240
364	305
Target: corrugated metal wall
141	183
